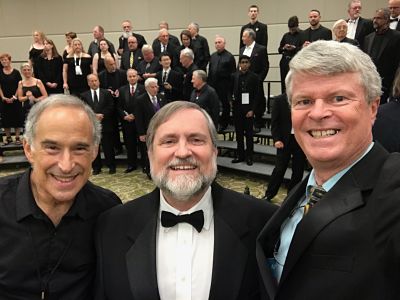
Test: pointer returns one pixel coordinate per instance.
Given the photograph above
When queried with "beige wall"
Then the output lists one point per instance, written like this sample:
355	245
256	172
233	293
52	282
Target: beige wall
18	18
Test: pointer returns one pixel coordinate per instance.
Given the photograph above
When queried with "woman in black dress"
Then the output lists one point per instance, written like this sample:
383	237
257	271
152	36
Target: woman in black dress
76	69
30	89
11	109
98	58
49	68
37	47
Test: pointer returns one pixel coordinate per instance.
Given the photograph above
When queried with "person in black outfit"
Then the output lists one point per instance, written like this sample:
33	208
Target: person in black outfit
260	65
245	88
286	148
147	105
98	35
358	27
49	68
222	65
204	95
186	39
162	44
172	39
288	47
383	47
48	213
149	66
316	31
102	103
259	28
131	59
127	32
201	44
127	111
186	59
169	81
394	7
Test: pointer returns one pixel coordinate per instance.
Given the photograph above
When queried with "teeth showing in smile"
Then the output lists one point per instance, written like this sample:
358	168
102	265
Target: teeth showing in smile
179	168
323	133
65	179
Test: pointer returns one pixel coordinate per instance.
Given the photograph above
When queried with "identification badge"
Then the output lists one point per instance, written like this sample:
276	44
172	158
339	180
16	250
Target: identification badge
245	98
78	70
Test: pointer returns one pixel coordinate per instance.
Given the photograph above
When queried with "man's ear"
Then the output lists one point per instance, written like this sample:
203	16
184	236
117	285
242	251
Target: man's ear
28	150
95	152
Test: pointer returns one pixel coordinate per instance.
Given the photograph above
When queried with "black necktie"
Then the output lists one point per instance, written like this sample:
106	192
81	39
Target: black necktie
195	219
95	99
316	194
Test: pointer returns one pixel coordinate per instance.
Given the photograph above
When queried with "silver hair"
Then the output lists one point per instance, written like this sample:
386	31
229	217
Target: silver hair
327	58
353	1
196	26
201	74
147	48
251	33
165	113
150	80
338	22
188	53
59	100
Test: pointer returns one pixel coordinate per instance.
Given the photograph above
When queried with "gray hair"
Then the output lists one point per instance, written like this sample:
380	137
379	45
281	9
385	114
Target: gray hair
150	80
165	113
201	74
59	100
251	33
188	53
353	1
331	58
147	48
386	13
195	25
338	22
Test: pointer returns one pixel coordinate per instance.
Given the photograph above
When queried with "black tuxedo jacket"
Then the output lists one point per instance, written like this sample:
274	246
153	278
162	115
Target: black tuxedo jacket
126	247
172	40
281	122
172	51
105	107
386	125
208	100
144	112
203	52
126	59
127	103
112	81
348	246
153	68
187	86
175	79
364	27
123	42
261	31
259	61
388	59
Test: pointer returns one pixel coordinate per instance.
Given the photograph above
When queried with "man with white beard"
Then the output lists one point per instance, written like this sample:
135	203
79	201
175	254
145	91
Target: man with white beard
190	238
127	31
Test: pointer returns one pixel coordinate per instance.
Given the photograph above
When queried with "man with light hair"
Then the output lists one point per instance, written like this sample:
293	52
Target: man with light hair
339	30
163	45
358	27
48	212
394	7
127	31
172	38
337	234
201	44
149	66
186	59
180	240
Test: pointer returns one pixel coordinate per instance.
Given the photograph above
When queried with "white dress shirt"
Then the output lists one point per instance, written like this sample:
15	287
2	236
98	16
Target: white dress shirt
184	256
249	49
351	28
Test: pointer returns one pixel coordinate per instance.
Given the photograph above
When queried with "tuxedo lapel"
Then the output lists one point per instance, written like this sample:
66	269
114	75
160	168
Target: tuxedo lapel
230	254
385	42
141	259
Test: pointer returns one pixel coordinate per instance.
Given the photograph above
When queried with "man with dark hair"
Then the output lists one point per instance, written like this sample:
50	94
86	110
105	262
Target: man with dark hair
48	213
244	90
316	31
259	28
337	234
222	65
169	80
190	238
383	47
260	65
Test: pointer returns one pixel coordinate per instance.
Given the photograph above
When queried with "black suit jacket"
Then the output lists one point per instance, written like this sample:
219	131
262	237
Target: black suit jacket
172	40
144	112
251	86
348	246
105	107
153	68
388	59
172	51
259	61
123	42
281	122
261	31
175	79
203	52
208	100
187	86
127	103
386	127
126	58
112	81
364	27
126	247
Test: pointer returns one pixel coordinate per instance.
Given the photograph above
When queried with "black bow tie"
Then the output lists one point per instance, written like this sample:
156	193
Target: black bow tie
393	20
195	219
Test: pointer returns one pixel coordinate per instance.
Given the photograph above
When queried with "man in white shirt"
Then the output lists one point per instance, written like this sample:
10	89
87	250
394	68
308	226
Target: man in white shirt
189	238
394	7
358	27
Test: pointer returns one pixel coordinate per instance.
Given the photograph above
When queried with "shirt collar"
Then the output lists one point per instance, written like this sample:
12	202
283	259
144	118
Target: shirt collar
251	45
335	178
205	204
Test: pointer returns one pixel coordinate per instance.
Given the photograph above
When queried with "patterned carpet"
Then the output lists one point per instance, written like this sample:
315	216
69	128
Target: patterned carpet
135	184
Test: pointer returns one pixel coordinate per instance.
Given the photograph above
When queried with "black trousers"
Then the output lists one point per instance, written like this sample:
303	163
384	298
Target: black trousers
222	89
144	156
291	150
130	141
107	144
243	128
261	106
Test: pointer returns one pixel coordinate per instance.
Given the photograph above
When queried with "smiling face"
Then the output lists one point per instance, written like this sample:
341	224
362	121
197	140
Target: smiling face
182	157
26	71
61	154
331	119
340	31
